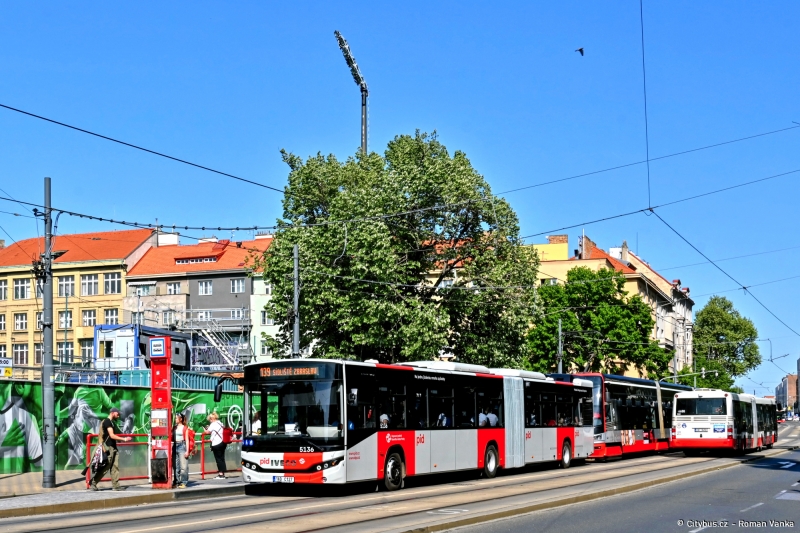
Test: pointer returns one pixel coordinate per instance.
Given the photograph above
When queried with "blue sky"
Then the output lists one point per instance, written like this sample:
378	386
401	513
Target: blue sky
228	87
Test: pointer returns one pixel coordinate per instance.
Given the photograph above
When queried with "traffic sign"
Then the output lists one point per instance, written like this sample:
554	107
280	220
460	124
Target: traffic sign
6	367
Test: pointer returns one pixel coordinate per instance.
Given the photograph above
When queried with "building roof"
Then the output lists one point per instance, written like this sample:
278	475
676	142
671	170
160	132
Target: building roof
597	253
226	256
100	246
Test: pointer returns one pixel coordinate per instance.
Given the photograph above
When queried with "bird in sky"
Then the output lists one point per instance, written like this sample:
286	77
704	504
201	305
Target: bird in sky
580	50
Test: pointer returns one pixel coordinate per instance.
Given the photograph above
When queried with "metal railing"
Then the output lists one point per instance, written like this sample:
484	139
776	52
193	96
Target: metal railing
127	457
235	446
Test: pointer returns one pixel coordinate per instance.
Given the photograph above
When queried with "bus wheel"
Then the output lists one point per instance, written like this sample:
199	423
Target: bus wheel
490	462
393	473
566	455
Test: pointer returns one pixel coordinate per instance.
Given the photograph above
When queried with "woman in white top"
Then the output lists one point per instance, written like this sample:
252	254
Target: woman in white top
218	446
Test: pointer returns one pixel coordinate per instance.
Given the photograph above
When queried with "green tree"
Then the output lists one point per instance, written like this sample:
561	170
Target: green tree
448	275
725	342
602	325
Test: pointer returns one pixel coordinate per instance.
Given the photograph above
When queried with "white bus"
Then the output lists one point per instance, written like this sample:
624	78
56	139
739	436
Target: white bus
706	419
325	421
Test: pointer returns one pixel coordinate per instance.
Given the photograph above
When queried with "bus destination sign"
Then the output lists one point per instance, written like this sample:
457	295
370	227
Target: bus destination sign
289	371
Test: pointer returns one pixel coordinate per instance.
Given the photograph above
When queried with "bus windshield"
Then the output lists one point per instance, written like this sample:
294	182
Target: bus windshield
700	406
304	408
597	403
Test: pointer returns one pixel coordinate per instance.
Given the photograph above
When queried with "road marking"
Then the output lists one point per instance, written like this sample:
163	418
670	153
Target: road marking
788	465
448	511
795	484
751	507
698	530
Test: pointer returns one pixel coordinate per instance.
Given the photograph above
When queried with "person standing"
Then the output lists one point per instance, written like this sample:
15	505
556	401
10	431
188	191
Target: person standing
215	429
108	440
182	448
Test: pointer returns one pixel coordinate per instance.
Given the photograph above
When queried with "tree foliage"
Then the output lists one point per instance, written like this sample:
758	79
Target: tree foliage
448	275
724	341
602	326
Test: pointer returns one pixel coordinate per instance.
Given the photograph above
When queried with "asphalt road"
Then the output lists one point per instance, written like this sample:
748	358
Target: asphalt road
429	500
745	497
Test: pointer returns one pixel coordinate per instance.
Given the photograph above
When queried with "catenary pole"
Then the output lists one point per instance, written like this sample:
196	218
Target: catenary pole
48	386
296	335
560	346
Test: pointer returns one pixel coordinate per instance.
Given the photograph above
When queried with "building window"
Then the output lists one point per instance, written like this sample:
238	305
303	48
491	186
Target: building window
89	318
2	322
112	316
168	318
266	320
268	290
38	353
237	314
144	290
90	286
66	352
265	348
20	354
237	286
3	290
137	318
446	284
174	287
204	315
64	319
87	350
3	352
196	260
22	289
205	288
39	288
66	286
113	283
39	315
20	321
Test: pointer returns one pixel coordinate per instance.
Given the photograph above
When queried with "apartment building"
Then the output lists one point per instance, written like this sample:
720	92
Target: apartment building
89	274
670	302
204	289
786	392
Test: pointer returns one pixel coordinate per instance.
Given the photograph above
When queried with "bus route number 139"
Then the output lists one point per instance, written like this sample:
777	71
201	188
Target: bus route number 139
306	449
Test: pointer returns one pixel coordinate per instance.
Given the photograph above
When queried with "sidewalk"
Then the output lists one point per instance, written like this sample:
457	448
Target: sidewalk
23	495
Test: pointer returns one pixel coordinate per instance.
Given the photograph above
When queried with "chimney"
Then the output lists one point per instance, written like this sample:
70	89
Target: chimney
676	283
624	255
586	247
2	244
558	239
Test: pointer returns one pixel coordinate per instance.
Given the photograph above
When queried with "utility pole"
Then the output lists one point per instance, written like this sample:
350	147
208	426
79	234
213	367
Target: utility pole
48	385
296	336
560	346
360	81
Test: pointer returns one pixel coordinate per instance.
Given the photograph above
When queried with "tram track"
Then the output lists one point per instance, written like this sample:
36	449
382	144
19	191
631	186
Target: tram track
293	513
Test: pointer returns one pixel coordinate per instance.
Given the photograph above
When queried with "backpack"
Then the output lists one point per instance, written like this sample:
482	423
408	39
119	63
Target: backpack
227	435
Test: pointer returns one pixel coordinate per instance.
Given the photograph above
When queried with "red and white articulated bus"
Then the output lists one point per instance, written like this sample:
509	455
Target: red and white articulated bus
711	419
325	421
630	415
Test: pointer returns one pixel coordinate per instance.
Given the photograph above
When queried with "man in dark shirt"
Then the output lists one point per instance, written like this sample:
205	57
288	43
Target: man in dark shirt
108	440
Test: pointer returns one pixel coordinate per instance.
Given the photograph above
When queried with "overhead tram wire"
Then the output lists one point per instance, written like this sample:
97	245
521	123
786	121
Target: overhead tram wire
744	287
444	206
619	167
644	86
644	209
130	145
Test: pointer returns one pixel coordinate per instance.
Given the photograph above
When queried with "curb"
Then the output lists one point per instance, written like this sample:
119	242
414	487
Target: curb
123	501
507	513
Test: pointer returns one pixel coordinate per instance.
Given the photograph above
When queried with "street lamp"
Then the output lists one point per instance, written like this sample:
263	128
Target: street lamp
360	81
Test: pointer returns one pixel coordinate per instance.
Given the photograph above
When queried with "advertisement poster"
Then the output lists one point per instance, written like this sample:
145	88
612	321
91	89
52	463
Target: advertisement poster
80	409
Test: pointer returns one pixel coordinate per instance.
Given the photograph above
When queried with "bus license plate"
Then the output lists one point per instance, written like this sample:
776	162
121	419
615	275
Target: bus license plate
282	479
700	430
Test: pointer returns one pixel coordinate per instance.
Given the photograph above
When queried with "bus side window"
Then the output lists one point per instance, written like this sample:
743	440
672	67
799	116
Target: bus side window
418	408
564	410
532	418
441	407
465	407
548	407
